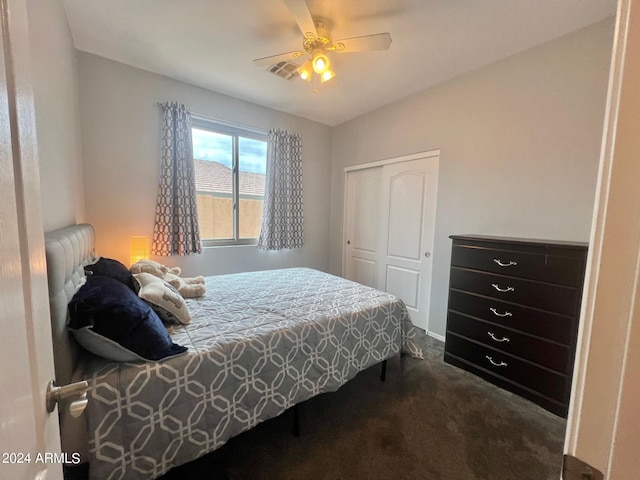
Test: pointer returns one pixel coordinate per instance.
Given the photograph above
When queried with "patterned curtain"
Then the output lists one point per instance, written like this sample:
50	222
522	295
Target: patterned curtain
176	230
282	215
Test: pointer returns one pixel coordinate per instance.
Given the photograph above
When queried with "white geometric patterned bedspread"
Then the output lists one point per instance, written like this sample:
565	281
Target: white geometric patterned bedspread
258	344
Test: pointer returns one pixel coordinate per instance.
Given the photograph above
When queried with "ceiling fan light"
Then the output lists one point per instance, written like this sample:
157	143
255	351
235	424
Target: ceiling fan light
327	75
320	63
305	71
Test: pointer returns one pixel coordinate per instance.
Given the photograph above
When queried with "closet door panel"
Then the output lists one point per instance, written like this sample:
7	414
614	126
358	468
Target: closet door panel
408	208
363	225
406	213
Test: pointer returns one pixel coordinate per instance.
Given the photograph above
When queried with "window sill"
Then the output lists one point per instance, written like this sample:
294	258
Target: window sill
223	243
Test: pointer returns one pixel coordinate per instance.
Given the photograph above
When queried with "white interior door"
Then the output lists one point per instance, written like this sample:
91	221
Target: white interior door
363	196
389	228
27	431
407	231
604	416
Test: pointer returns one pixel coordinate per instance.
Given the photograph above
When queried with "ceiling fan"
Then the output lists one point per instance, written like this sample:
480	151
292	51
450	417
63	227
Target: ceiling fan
317	43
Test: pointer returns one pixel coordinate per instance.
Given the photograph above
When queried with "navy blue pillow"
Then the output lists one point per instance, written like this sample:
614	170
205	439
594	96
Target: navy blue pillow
109	267
110	320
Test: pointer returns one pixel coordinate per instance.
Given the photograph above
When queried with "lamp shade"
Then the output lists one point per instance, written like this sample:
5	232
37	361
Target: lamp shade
139	249
306	70
320	63
327	75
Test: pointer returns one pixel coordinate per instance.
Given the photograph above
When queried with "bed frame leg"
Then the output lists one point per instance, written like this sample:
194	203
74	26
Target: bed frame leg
383	374
296	420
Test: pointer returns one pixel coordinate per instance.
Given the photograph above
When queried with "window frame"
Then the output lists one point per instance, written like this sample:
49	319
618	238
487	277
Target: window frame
235	131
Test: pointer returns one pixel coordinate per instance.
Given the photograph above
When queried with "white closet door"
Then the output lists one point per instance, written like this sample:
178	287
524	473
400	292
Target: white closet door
389	229
407	231
363	198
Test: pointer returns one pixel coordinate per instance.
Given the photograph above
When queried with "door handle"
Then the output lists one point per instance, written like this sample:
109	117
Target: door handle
76	393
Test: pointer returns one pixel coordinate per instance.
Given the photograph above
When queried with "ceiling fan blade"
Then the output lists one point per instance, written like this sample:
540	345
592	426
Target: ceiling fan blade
377	41
302	15
273	59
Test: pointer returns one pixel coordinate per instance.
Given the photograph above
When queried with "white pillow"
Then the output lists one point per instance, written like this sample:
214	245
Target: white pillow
165	300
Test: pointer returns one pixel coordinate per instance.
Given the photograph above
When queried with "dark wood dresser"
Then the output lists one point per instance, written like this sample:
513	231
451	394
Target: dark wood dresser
514	306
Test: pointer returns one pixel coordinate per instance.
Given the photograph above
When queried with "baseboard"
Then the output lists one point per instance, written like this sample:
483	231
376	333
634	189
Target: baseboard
436	336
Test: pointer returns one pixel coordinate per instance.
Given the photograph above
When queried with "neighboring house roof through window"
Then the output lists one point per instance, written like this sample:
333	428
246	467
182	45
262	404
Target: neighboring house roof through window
215	177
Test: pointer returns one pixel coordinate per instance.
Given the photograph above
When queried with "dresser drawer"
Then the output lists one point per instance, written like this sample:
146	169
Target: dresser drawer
547	354
545	382
551	326
562	270
554	298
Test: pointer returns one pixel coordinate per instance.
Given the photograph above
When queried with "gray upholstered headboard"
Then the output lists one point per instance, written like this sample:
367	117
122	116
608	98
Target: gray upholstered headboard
68	250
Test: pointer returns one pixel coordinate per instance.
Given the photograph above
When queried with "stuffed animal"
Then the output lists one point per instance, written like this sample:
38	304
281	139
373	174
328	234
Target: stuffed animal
149	266
188	287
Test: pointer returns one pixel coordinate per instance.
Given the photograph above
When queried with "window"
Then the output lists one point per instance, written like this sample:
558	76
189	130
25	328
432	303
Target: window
230	166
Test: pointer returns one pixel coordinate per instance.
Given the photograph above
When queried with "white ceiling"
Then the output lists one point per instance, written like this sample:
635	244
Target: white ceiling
211	43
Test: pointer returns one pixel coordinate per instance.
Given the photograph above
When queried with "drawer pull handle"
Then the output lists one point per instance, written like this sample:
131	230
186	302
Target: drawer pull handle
510	264
497	314
493	337
501	364
508	289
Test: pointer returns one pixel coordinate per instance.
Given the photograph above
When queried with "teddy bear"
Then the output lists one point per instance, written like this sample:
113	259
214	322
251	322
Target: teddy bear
191	287
149	266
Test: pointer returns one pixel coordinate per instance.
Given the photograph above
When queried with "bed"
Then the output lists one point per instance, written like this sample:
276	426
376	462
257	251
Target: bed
258	343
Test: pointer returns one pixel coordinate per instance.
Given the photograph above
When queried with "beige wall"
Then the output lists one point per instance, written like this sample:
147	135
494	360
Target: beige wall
519	140
56	96
121	149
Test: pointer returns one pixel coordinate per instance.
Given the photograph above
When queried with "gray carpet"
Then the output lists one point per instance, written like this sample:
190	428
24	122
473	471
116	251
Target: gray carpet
436	422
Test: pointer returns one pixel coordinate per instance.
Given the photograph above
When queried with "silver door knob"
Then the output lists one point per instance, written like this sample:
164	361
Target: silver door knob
76	393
